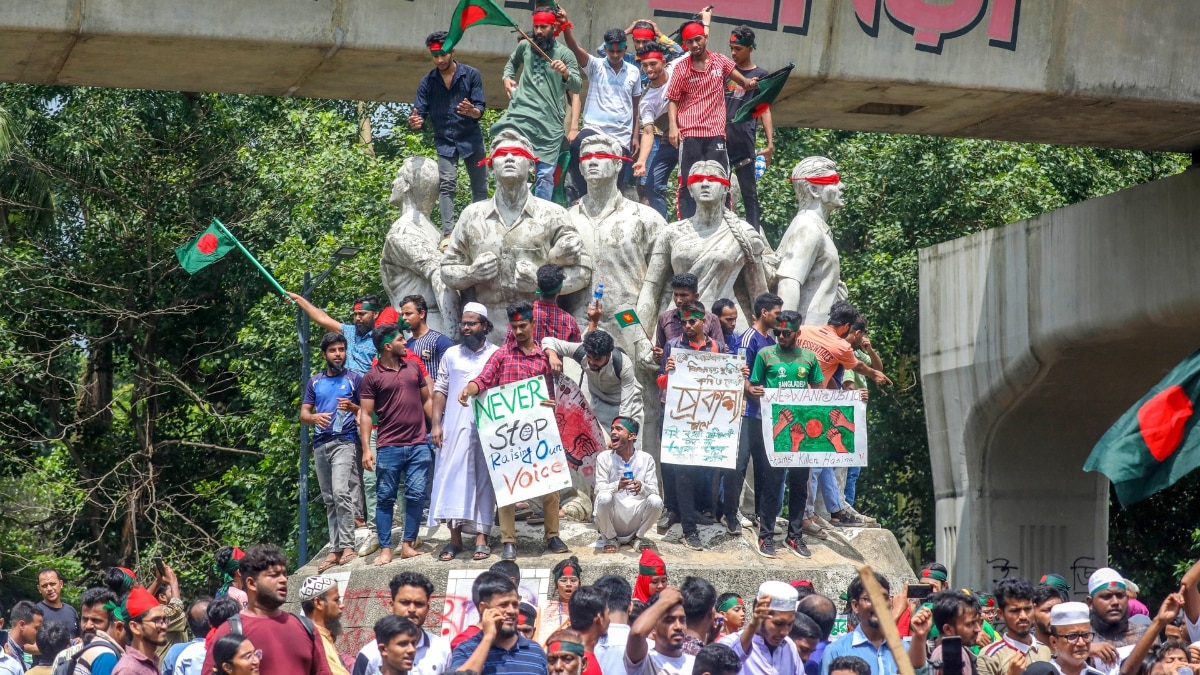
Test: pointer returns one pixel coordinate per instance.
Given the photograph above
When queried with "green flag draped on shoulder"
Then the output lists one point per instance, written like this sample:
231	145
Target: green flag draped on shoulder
206	249
471	13
1155	443
769	87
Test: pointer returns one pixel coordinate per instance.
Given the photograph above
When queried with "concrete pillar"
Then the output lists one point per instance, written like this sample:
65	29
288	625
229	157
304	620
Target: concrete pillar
1035	337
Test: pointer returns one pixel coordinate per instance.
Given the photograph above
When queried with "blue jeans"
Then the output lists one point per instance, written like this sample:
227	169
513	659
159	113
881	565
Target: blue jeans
390	461
543	187
658	172
852	483
823	478
649	161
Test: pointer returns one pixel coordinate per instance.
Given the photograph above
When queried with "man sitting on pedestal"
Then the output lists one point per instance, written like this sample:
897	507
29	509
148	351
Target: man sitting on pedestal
627	501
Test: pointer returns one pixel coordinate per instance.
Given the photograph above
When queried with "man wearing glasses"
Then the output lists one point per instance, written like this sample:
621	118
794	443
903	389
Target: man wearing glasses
868	642
1071	638
784	365
147	632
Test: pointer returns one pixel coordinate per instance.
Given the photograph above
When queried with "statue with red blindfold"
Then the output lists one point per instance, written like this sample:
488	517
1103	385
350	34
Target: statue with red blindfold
809	269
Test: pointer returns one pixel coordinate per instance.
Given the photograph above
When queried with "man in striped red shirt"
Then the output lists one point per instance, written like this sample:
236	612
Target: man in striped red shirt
696	104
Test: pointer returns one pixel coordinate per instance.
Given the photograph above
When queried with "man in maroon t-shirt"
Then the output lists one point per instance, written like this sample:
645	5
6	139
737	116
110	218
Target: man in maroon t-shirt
288	646
396	392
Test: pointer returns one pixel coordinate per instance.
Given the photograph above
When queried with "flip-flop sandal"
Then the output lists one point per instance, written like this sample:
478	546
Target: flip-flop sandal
348	558
482	552
449	552
331	560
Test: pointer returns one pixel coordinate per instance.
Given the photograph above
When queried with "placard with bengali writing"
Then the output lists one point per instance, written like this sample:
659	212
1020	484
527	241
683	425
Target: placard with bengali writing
702	420
814	427
521	443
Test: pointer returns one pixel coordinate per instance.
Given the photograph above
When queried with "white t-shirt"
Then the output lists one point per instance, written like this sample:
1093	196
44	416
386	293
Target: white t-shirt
654	102
610	649
657	664
432	657
609	105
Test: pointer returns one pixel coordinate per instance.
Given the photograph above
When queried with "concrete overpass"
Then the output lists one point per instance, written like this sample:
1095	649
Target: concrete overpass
1090	72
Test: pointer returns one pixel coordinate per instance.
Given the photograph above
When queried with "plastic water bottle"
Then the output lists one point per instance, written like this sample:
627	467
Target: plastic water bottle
742	354
339	421
760	166
598	294
627	472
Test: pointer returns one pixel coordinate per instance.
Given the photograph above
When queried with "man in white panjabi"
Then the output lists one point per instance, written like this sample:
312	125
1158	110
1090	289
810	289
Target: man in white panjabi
499	244
618	237
627	500
721	249
411	263
462	487
809	269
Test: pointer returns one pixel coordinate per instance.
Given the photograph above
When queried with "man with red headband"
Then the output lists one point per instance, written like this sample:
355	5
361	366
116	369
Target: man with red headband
696	105
656	158
614	91
741	137
809	269
451	98
147	632
537	108
360	350
499	244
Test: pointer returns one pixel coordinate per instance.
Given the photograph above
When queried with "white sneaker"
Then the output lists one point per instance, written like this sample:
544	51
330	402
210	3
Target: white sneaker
369	545
745	522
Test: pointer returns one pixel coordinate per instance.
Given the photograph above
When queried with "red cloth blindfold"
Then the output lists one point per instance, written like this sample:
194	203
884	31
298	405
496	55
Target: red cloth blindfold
832	179
508	150
603	155
699	178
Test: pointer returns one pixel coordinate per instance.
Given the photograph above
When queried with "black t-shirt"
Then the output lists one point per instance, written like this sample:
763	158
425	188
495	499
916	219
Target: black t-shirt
65	614
739	138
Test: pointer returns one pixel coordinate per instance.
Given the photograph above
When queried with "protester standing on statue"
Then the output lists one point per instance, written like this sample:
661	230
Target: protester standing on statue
784	365
519	360
451	98
462	487
627	500
330	405
696	105
428	344
614	92
537	103
656	157
727	313
396	390
295	647
741	138
360	348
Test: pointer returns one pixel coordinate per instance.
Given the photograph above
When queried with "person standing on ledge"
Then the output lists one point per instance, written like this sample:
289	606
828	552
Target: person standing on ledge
451	98
537	104
741	136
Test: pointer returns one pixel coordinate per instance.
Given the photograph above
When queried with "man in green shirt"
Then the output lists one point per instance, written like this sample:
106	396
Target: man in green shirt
781	366
537	107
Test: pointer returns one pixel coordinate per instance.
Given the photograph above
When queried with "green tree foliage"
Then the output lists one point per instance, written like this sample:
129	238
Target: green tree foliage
144	411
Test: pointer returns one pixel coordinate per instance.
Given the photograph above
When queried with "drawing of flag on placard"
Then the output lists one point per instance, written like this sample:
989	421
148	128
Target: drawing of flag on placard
769	87
626	318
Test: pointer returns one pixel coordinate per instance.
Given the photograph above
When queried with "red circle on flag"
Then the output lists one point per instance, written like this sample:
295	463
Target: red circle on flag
470	15
813	428
207	244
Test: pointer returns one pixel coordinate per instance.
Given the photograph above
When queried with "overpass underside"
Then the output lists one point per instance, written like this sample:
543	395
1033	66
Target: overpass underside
1035	337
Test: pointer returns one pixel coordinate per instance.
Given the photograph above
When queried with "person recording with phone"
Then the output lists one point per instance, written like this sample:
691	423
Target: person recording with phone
165	589
958	620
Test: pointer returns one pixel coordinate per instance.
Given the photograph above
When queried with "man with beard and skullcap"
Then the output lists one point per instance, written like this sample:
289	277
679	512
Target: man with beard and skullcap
537	105
498	649
290	644
330	405
1109	617
321	602
652	576
665	618
462	487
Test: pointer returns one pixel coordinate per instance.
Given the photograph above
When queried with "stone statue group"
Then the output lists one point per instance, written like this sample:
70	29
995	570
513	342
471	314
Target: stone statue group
495	249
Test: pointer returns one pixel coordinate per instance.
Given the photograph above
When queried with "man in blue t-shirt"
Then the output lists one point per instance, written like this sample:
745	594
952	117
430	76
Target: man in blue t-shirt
360	350
330	405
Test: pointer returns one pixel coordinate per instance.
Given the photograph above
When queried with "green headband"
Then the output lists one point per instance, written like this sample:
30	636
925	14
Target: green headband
936	575
628	424
729	603
1056	582
367	307
553	291
389	339
692	315
651	571
565	646
521	316
118	612
734	39
793	326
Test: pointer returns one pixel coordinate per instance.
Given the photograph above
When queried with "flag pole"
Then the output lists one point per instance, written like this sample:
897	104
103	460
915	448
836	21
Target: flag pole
253	259
532	43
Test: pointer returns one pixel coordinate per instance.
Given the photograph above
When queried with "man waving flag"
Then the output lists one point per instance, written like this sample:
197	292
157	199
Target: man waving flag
1155	443
769	87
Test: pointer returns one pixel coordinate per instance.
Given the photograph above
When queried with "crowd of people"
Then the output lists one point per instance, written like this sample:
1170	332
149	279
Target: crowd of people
604	626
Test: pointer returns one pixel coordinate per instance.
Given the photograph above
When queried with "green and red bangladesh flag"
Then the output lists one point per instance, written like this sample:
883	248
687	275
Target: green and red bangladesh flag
471	13
768	90
1155	443
206	249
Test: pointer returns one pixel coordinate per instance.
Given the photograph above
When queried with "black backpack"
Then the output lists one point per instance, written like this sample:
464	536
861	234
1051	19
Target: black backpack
235	625
618	358
67	667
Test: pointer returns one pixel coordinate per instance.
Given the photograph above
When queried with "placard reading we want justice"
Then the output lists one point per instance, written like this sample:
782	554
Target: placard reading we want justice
814	427
521	442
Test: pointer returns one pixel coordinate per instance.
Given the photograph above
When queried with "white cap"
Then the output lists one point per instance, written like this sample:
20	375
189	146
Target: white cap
316	586
1105	578
783	596
1069	614
475	308
1132	587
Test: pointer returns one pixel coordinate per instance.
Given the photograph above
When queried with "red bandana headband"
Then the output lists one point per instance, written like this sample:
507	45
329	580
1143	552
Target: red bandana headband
699	178
652	55
436	48
643	33
831	179
508	150
603	155
693	30
545	19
